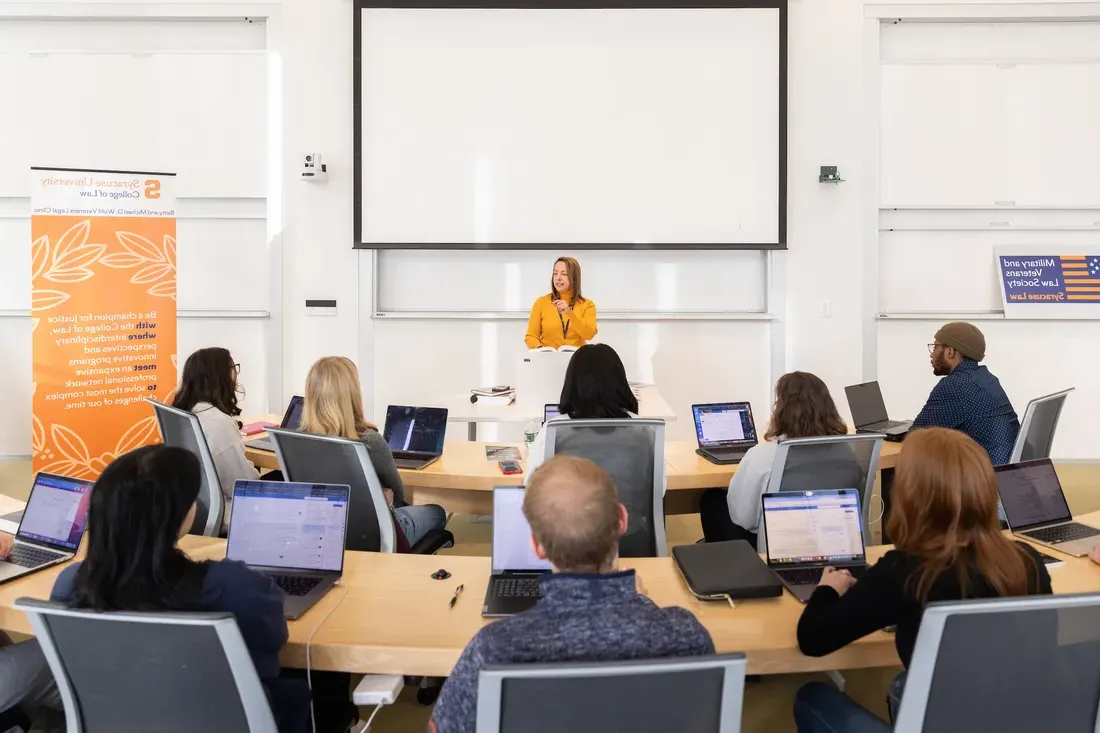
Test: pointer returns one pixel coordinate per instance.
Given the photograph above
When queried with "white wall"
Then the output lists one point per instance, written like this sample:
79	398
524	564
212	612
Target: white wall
825	268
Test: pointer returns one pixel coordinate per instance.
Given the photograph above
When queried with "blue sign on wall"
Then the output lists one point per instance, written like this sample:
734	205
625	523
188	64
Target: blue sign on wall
1050	279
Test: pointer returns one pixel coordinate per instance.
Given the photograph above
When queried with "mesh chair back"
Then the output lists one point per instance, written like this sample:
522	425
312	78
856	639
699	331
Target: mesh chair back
322	459
181	429
688	695
828	462
1011	665
631	450
140	672
1038	426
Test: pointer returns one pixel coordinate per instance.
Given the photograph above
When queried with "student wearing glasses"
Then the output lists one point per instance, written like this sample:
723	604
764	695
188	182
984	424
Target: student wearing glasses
209	390
563	317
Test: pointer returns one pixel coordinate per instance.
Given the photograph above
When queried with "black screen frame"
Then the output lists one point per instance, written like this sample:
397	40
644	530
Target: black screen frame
357	114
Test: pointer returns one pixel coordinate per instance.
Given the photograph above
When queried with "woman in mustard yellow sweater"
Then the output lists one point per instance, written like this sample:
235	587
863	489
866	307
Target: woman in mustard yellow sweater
564	317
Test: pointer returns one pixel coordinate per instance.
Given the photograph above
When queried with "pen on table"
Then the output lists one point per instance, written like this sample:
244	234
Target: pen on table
454	598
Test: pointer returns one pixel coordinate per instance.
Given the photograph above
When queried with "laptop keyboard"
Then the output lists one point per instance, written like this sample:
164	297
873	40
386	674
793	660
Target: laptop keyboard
27	556
516	588
801	576
887	425
296	585
1063	533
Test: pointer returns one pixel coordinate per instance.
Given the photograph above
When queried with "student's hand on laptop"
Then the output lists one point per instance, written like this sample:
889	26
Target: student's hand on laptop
7	542
1094	554
838	580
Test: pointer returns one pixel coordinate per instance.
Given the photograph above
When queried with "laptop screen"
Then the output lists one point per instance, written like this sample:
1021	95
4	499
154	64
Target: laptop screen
419	429
1031	494
57	511
725	424
288	525
813	527
866	404
292	420
511	533
549	413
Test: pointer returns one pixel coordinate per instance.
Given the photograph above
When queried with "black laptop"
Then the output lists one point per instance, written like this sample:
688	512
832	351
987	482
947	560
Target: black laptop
514	585
725	431
294	533
292	420
869	412
415	434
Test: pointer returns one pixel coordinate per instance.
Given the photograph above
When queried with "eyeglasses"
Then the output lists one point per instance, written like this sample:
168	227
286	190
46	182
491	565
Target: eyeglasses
236	368
932	348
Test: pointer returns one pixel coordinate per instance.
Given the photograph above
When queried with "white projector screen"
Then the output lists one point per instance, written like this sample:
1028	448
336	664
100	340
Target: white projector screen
600	128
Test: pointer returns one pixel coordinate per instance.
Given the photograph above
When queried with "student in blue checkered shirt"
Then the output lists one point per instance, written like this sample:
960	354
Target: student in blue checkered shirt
969	398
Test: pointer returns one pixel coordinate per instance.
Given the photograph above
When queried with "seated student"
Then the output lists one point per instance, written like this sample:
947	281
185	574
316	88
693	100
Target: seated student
803	409
142	504
968	398
589	611
208	388
595	387
948	547
334	406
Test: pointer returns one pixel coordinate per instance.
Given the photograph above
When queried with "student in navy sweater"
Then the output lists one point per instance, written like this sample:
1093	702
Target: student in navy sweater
590	610
141	505
948	546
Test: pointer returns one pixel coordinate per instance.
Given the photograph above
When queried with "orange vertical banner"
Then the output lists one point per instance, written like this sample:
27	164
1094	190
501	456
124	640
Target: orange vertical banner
103	313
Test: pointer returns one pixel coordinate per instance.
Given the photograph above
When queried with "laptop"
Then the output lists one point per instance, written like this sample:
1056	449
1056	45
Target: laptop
514	584
52	525
549	412
292	420
725	431
1036	508
869	412
415	434
808	531
294	533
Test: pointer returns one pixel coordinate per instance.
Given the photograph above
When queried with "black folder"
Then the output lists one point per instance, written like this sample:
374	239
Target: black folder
726	570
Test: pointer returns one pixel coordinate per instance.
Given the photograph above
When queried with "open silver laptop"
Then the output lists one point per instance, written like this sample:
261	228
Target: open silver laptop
1036	508
52	525
292	420
514	584
415	434
294	533
725	431
808	531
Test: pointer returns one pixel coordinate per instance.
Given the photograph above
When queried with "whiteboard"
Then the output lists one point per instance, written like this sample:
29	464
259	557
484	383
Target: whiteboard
974	134
645	281
513	128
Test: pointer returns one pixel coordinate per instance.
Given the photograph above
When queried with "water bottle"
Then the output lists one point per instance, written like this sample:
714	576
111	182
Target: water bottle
529	433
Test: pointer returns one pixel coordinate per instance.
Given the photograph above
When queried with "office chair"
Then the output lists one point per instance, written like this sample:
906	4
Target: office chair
827	462
181	429
163	671
1006	664
632	451
696	694
324	459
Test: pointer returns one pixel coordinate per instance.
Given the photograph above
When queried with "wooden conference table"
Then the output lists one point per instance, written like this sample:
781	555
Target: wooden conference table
462	480
395	619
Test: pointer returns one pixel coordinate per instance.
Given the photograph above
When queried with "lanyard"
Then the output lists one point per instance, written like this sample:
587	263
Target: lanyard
564	326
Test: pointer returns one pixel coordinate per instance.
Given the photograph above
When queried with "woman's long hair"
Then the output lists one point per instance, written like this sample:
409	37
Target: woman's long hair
208	376
803	409
596	386
573	270
945	513
333	400
135	515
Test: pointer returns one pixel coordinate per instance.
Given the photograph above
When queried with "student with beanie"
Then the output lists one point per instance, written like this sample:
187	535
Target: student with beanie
968	398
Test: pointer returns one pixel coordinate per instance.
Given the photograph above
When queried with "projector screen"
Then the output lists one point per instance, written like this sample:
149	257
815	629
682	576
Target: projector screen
513	128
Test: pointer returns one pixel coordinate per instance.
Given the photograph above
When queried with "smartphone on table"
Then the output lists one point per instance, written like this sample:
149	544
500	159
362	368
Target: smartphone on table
510	468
